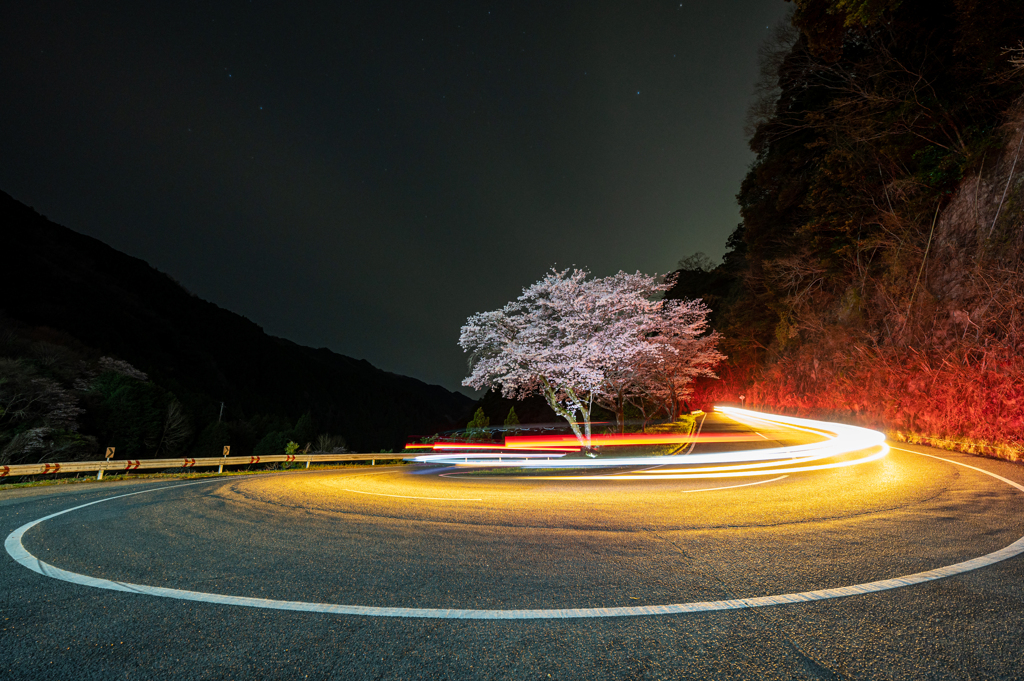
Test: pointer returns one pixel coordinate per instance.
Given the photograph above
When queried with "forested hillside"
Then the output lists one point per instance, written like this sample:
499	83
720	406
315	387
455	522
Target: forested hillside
99	349
877	272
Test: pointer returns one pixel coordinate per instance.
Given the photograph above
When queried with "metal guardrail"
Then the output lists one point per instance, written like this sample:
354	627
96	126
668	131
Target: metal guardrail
127	465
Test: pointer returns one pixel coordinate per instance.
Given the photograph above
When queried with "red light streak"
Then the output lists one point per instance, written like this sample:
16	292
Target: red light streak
569	443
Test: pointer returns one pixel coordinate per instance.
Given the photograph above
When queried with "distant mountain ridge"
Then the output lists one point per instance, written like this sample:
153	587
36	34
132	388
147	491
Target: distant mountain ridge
120	305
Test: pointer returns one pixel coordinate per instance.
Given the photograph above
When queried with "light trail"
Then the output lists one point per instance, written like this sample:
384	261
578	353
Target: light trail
840	442
628	439
568	443
490	458
702	473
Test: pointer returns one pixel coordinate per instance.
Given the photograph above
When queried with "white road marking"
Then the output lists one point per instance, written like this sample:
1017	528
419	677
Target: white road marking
757	433
402	496
957	463
699	429
17	550
746	484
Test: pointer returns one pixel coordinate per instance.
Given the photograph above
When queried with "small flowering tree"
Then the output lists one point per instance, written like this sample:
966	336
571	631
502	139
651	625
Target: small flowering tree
574	340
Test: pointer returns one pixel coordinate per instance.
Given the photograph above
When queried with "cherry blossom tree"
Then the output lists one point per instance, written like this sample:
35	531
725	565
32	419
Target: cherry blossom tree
580	341
545	341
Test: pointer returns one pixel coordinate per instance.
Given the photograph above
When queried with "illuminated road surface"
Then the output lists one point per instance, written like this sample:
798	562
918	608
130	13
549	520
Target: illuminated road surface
416	538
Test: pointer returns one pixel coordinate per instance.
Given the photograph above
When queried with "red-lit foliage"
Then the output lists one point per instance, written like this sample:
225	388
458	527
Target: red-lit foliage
966	399
878	275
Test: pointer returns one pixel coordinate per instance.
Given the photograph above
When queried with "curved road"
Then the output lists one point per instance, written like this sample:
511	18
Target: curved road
421	538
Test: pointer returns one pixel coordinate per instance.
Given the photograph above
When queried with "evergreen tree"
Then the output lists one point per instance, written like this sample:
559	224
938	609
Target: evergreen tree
476	429
273	444
511	422
129	413
212	440
304	429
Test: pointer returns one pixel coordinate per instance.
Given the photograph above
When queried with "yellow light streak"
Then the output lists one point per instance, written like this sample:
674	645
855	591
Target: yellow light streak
838	440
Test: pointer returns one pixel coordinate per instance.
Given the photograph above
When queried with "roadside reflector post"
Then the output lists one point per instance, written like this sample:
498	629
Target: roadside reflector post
109	455
227	452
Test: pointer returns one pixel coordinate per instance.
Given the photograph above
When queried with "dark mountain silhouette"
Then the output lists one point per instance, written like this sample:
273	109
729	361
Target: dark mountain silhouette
54	277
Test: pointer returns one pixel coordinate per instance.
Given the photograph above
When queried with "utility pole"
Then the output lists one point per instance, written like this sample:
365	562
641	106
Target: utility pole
221	412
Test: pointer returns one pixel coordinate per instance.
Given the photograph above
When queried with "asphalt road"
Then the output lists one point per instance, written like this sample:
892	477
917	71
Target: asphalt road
418	538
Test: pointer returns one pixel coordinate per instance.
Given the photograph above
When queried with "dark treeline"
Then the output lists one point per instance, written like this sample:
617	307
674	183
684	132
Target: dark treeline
99	349
877	270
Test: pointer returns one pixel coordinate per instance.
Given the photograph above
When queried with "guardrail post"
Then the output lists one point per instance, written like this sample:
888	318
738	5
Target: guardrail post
373	462
110	455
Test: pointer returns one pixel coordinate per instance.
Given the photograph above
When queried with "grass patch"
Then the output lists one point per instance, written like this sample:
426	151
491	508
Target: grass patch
967	445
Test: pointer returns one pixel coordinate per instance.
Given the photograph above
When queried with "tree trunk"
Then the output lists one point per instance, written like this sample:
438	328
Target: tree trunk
549	396
585	410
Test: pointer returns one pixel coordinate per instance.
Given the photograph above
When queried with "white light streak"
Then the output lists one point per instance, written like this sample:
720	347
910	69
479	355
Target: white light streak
841	441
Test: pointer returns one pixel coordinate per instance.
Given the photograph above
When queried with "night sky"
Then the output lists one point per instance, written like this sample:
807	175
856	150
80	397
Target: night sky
365	175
